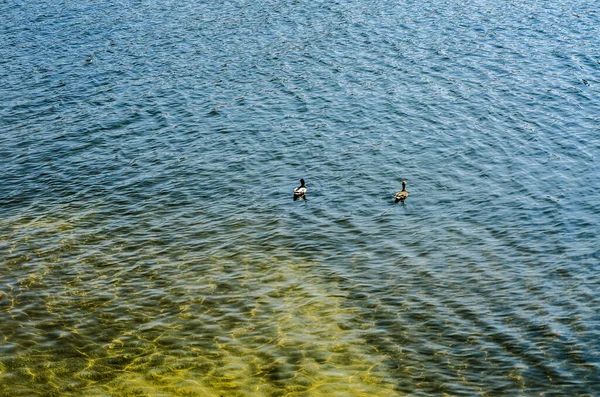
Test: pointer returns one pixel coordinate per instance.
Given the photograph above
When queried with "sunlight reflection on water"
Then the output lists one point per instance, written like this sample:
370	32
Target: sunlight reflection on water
148	239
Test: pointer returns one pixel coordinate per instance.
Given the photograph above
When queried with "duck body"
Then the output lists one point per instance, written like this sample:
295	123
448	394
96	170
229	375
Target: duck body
402	194
300	191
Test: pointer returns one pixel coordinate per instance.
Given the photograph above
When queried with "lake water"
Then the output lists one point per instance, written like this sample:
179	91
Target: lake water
150	246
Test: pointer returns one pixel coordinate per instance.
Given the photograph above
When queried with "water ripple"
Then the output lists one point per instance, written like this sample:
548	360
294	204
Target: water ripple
150	245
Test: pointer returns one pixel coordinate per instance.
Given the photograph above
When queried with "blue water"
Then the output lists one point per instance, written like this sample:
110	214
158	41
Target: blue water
150	245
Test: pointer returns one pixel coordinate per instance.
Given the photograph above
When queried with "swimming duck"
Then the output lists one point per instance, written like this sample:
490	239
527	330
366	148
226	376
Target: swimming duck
402	194
300	191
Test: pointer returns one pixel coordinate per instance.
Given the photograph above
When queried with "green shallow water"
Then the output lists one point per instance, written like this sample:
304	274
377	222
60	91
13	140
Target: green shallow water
78	321
85	313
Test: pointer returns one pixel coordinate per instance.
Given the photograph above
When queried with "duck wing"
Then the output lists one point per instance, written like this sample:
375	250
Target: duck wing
401	196
300	193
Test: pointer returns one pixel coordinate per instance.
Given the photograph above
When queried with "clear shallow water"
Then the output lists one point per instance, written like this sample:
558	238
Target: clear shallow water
150	245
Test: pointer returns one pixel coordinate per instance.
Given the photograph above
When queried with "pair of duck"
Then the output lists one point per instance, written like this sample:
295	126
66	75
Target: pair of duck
300	192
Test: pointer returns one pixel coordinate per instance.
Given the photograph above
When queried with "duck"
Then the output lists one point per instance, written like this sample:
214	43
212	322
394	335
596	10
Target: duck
300	191
402	194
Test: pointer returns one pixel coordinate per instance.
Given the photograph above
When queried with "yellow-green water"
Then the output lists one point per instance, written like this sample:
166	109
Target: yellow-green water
85	313
87	316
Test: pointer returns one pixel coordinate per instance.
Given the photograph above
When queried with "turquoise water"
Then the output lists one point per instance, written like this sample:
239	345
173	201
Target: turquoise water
150	245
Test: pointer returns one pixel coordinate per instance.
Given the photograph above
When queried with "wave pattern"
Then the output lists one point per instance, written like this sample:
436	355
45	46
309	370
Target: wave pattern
150	245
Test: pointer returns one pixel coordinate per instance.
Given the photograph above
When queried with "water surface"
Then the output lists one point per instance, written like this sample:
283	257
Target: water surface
150	245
